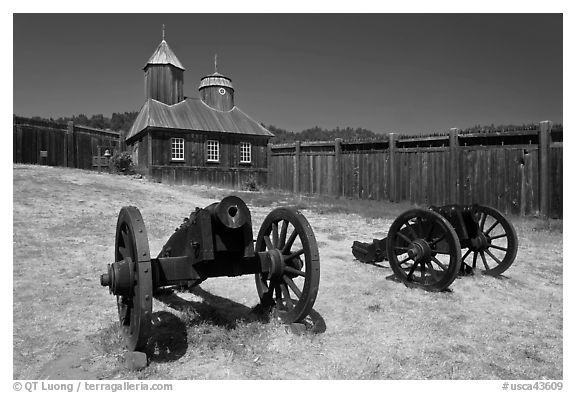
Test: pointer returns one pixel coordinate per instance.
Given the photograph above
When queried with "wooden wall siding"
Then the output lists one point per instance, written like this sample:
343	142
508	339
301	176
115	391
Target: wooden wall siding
195	149
65	145
283	168
422	176
186	175
211	96
364	175
164	83
504	176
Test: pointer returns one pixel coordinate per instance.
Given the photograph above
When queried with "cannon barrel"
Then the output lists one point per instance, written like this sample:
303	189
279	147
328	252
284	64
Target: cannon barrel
231	212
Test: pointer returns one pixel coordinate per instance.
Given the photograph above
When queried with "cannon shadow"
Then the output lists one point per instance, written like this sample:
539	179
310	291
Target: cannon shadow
168	341
224	312
213	309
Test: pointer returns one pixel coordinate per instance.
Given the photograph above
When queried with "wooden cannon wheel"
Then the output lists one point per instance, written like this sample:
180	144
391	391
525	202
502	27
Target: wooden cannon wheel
293	285
135	306
424	250
495	247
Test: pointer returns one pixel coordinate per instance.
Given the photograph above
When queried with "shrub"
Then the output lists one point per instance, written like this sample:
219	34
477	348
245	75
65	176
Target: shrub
250	184
121	163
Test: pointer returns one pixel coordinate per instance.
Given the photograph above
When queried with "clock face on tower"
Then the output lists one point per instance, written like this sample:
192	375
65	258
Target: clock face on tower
222	91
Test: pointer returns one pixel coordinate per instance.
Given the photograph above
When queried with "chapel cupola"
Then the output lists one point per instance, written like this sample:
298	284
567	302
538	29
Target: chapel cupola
216	90
164	75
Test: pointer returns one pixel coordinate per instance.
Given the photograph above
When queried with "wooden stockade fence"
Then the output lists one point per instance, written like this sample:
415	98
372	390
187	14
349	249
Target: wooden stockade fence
517	172
55	144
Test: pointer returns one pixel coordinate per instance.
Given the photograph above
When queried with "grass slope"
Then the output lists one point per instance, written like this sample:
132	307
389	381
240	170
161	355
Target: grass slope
367	327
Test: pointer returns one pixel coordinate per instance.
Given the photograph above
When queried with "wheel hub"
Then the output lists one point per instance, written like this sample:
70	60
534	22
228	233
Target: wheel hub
419	250
120	277
276	264
479	243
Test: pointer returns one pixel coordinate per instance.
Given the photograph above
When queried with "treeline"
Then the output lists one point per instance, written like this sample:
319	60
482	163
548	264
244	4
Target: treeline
123	121
320	134
348	133
504	128
118	121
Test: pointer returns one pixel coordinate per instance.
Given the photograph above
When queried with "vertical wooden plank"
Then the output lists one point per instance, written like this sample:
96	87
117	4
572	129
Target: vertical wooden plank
506	195
454	172
411	174
392	166
338	166
70	159
399	175
313	172
18	143
425	178
518	165
362	194
544	149
499	178
149	145
556	186
297	168
334	190
269	164
418	156
479	176
466	170
523	211
487	178
344	173
322	179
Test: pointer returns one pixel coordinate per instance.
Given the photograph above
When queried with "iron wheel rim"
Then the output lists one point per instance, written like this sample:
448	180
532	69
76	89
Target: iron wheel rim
134	309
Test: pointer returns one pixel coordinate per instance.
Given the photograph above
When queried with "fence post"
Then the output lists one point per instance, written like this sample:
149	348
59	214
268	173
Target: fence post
391	166
338	165
544	167
296	185
454	186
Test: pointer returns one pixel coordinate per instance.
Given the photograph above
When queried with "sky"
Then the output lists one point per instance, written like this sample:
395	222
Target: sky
405	73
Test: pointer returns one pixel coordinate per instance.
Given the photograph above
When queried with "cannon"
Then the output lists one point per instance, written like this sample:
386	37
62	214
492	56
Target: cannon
424	246
212	242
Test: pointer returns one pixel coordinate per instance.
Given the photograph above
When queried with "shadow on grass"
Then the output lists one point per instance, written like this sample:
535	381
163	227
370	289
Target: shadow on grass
168	339
213	309
223	312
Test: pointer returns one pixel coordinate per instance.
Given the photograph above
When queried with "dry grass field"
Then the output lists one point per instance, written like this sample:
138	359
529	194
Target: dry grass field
365	326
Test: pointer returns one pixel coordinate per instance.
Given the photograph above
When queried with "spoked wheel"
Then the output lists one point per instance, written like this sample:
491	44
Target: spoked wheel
130	278
494	248
423	250
292	282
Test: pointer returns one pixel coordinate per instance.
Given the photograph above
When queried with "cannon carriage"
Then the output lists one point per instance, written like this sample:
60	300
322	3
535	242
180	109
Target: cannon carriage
214	241
428	248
